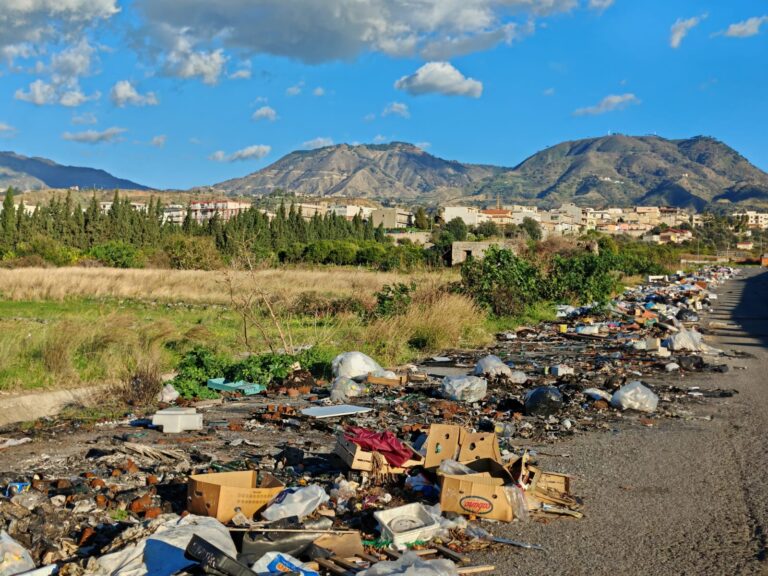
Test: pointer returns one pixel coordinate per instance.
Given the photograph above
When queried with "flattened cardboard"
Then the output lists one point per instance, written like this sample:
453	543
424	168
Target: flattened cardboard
219	494
482	494
446	442
342	545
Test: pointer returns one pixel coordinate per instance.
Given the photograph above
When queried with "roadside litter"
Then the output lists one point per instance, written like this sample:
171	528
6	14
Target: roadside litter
376	472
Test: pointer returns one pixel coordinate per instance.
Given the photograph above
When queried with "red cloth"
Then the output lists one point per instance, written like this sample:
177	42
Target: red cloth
395	452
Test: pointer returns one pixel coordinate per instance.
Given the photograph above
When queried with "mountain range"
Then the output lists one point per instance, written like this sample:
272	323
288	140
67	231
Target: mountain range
614	170
27	173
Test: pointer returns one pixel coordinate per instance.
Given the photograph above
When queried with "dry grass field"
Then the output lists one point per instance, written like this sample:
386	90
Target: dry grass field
57	284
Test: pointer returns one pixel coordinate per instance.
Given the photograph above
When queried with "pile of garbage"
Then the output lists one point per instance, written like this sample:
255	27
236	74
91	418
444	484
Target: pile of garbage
377	472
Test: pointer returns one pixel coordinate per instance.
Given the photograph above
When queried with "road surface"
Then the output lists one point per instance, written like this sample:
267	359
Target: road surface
687	496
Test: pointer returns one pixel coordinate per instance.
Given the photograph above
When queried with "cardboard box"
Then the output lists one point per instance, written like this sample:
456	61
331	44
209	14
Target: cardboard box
482	494
219	494
446	442
358	459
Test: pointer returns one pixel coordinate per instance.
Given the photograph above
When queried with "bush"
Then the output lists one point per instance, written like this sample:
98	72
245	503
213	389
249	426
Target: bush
193	253
393	300
50	250
118	254
195	369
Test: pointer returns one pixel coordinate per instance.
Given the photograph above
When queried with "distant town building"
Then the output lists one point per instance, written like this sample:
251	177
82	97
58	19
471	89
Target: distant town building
467	214
754	220
107	206
349	211
392	218
203	211
462	251
498	216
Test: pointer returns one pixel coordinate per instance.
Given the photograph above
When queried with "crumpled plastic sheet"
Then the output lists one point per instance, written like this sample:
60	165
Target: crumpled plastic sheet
412	565
492	366
162	553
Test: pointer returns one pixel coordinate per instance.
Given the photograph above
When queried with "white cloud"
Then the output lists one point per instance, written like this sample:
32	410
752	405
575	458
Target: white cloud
549	92
243	73
39	93
747	28
29	25
369	117
609	104
396	109
124	93
6	129
440	78
265	113
600	4
76	97
184	60
319	91
681	28
380	139
84	118
73	62
424	145
95	137
295	90
315	32
255	152
320	142
159	141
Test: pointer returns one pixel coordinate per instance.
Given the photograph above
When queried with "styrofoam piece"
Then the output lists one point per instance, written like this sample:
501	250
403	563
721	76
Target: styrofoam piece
177	419
409	523
334	411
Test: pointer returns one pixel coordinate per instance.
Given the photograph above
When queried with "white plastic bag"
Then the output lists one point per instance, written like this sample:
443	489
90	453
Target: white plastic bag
354	365
344	388
14	558
278	563
492	366
168	394
518	377
635	396
464	388
409	564
299	502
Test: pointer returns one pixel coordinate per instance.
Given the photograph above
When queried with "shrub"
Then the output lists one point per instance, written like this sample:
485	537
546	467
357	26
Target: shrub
49	250
195	369
118	254
193	253
393	300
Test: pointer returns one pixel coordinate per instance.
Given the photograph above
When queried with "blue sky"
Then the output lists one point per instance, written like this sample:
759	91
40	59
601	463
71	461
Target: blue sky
179	93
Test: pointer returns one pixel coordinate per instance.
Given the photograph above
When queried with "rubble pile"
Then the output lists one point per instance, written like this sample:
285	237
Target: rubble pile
376	473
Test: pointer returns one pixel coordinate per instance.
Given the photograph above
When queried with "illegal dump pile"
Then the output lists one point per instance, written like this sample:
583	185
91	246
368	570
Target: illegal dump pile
375	473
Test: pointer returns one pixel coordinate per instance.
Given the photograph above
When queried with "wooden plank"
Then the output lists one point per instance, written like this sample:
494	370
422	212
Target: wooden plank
332	567
451	555
351	566
475	569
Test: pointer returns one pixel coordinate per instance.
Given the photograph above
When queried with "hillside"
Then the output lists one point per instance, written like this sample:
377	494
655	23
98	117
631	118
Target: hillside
625	170
397	171
27	173
613	170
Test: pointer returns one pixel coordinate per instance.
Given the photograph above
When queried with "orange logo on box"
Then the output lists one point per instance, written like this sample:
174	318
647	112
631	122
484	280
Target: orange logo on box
476	504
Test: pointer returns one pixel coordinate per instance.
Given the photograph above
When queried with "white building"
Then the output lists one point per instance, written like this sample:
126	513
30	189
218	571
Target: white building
349	211
467	214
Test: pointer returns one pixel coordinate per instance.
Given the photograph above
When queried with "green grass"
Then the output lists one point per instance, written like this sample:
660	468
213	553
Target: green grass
80	341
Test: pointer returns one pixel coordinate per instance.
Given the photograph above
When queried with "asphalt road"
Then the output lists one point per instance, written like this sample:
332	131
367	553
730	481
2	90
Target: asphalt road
687	496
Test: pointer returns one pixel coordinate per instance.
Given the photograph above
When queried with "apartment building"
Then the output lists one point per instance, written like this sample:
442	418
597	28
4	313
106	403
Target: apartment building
392	218
349	211
467	214
203	211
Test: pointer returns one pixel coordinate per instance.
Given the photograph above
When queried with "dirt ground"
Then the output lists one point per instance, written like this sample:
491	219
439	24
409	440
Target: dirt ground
683	497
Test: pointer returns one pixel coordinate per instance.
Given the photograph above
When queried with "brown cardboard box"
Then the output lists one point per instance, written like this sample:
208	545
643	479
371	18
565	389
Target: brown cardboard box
358	459
482	494
456	443
219	494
